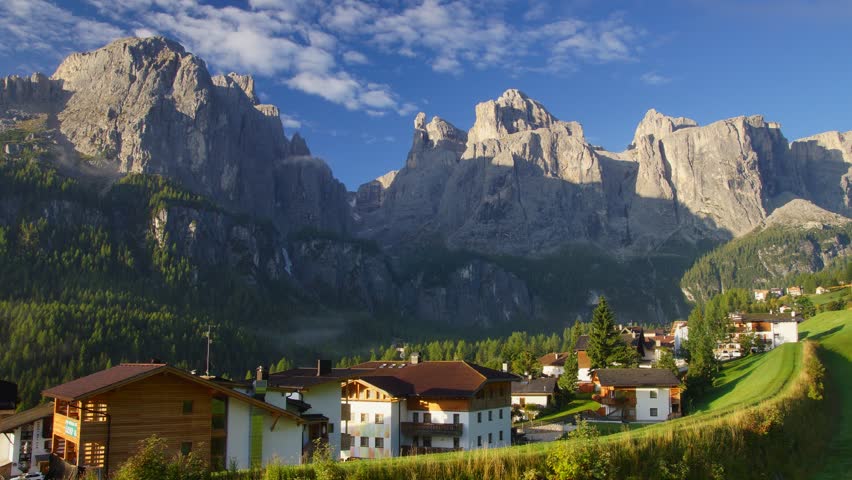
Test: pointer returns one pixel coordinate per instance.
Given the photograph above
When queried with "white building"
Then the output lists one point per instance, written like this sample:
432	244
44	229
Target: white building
536	391
25	441
680	332
403	408
771	329
553	364
638	394
317	393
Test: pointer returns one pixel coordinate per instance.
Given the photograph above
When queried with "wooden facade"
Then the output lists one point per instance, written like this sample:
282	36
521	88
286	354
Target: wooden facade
114	423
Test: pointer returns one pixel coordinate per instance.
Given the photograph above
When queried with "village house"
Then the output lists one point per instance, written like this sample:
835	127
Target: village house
99	420
25	441
821	290
400	408
776	292
553	364
637	394
318	392
761	295
535	391
770	329
795	291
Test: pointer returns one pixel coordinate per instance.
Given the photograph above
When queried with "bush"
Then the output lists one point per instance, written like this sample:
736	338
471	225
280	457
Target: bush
151	462
582	457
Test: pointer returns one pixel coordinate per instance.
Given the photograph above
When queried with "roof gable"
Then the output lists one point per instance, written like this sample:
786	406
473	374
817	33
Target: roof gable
435	379
636	377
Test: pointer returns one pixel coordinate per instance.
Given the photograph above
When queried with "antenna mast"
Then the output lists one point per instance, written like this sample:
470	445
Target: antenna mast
209	335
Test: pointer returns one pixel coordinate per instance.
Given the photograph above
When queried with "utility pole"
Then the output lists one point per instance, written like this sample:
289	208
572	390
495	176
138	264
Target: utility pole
209	335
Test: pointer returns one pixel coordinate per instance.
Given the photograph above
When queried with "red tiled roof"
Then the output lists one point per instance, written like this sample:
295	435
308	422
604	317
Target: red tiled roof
90	384
435	379
556	359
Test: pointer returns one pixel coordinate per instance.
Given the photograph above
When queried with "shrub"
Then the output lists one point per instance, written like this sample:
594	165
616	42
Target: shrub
582	457
152	462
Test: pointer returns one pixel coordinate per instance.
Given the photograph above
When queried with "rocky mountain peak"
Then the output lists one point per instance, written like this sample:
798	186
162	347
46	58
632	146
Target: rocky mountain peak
512	112
234	80
658	125
439	141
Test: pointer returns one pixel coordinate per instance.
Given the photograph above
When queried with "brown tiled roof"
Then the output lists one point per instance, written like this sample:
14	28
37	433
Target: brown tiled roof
301	378
536	386
111	377
553	359
435	379
26	417
636	377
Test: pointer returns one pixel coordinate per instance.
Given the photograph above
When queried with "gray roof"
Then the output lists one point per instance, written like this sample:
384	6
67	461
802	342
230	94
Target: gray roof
26	417
636	377
582	343
536	386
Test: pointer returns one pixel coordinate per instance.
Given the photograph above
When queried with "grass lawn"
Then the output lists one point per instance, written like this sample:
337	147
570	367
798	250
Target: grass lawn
829	297
573	408
834	331
752	379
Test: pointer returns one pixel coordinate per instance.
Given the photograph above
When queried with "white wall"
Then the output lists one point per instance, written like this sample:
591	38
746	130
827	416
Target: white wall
552	371
584	374
786	331
644	403
325	400
283	443
6	444
237	445
495	426
389	430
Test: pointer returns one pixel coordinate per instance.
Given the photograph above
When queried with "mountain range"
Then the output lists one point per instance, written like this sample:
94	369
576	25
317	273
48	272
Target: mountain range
519	220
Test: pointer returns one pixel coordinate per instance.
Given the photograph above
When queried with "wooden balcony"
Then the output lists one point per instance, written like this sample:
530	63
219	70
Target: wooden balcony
617	401
432	429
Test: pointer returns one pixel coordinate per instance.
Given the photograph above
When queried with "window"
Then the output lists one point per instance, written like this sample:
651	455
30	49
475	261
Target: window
187	407
380	418
490	439
363	418
416	441
415	417
367	394
500	435
653	394
185	448
380	442
427	442
455	419
478	417
427	418
653	412
479	440
500	413
456	443
219	409
330	427
365	441
490	416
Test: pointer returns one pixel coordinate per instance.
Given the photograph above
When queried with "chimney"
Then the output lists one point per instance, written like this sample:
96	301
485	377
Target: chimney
505	366
323	367
556	356
261	373
260	383
415	358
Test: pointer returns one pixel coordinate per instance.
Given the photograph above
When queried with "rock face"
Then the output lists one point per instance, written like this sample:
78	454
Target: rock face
825	161
148	106
525	183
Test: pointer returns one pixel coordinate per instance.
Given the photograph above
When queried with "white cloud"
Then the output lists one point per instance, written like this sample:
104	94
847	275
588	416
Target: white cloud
653	78
290	121
353	57
38	25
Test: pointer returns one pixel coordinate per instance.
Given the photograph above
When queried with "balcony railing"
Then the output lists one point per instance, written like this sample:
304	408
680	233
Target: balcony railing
418	428
618	401
406	450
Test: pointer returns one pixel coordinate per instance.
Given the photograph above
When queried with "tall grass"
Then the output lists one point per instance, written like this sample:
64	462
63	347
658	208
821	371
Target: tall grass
782	437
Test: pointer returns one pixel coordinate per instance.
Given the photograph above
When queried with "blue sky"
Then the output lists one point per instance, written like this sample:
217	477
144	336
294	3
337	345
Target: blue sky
350	75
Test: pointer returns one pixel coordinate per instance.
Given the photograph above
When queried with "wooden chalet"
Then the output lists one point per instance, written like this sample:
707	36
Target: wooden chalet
99	420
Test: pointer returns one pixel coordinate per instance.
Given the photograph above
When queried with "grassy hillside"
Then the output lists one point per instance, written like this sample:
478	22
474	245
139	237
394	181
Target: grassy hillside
834	332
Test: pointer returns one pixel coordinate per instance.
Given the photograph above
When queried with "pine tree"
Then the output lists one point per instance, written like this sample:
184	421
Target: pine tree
603	339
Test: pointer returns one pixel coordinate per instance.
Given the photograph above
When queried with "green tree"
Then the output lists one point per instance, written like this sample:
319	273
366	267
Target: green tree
567	382
604	340
524	363
805	307
667	361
